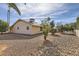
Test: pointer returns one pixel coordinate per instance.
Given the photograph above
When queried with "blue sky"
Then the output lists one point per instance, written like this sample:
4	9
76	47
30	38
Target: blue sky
63	13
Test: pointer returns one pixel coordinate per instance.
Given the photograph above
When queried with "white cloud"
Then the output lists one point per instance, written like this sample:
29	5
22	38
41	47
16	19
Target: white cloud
66	20
38	8
41	10
59	12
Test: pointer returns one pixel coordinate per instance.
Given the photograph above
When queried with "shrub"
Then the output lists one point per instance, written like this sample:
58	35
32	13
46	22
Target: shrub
3	26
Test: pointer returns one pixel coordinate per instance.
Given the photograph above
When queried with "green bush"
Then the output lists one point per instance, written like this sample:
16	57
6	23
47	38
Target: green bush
3	26
53	31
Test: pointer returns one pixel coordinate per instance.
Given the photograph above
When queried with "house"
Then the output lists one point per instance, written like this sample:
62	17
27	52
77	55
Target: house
25	27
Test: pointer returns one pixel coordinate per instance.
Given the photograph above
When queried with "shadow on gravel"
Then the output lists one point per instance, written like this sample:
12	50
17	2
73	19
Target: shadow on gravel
69	34
55	35
47	43
13	36
49	49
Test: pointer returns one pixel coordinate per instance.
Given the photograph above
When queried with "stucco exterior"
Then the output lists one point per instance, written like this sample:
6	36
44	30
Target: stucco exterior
35	29
21	28
77	32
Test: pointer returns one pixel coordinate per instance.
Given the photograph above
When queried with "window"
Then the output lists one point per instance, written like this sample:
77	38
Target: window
17	27
27	28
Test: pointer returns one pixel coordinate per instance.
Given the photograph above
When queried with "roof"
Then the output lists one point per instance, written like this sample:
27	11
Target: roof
34	24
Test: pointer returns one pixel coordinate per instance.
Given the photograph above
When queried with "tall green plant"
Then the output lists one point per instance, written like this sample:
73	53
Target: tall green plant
45	27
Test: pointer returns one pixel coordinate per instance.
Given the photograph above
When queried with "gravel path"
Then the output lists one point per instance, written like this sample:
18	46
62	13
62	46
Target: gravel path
19	45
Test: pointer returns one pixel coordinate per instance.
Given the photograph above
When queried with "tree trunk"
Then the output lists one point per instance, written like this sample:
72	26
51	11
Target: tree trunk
45	37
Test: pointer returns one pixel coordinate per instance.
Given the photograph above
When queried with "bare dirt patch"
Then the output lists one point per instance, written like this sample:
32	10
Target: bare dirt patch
2	48
61	45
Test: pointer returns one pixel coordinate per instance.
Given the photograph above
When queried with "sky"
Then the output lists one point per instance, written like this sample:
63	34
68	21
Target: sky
58	12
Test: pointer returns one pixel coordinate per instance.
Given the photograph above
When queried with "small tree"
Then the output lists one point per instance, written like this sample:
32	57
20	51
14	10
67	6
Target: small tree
52	27
59	27
45	27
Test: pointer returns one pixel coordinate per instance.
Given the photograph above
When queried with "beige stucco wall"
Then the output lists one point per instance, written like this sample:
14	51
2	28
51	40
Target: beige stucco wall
77	32
35	29
22	28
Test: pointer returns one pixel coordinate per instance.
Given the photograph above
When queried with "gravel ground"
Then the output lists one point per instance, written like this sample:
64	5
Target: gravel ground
55	45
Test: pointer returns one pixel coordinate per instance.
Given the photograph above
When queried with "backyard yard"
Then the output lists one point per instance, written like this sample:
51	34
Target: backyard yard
23	45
